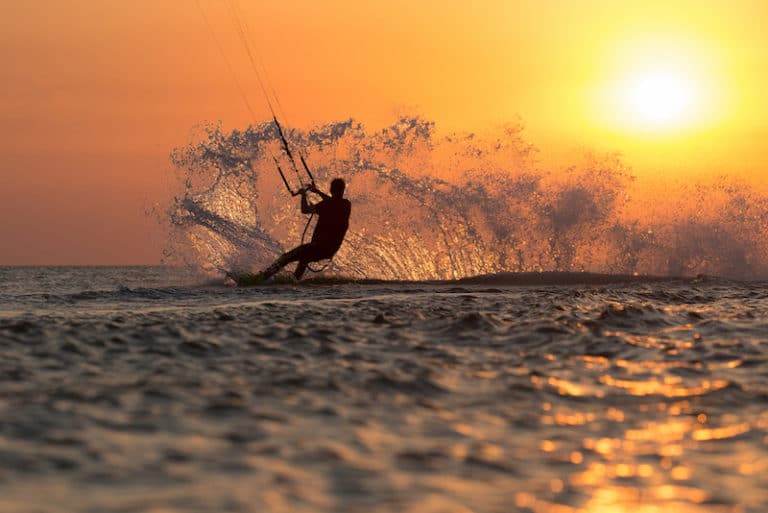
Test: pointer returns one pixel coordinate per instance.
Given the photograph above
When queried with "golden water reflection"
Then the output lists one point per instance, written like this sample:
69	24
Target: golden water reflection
650	437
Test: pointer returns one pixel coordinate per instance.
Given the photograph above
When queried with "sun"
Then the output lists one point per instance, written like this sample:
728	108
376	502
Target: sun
655	100
665	89
660	99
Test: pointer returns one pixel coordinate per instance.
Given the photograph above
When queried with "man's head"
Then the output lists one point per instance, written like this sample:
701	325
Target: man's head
337	188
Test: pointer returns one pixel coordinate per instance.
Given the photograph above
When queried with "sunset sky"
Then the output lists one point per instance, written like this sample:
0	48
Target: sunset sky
95	94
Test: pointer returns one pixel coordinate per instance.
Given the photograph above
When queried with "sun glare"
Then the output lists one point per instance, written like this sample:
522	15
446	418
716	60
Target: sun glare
660	99
661	89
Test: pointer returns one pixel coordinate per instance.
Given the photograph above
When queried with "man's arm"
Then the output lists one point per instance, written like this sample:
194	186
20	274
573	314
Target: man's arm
306	207
319	192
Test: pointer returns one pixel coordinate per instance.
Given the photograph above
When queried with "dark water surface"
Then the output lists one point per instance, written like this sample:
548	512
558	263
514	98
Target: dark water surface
141	390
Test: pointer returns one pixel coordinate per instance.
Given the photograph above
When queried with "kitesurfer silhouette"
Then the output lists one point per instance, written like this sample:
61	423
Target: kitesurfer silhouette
332	222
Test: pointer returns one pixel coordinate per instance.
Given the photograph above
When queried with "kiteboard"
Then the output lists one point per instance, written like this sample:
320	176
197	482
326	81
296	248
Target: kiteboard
249	279
256	279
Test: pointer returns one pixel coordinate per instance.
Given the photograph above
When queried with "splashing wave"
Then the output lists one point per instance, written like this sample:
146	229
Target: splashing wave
446	207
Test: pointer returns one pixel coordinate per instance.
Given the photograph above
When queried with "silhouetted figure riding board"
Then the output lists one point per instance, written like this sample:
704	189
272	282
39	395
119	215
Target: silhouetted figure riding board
332	223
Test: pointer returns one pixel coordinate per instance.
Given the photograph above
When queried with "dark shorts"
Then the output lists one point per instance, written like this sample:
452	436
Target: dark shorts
313	253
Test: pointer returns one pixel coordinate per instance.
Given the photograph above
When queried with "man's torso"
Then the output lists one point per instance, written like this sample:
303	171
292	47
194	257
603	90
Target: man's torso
332	223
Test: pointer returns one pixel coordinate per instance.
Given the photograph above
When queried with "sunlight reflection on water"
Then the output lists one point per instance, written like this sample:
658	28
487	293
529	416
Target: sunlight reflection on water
380	398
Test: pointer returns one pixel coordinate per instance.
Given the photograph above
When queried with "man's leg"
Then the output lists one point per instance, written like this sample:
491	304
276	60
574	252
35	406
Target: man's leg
309	255
300	268
285	259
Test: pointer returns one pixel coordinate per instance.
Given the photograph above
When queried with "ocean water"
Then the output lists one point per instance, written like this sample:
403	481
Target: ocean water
153	390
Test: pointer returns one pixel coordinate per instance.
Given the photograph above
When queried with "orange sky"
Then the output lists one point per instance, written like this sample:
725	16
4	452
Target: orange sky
95	94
